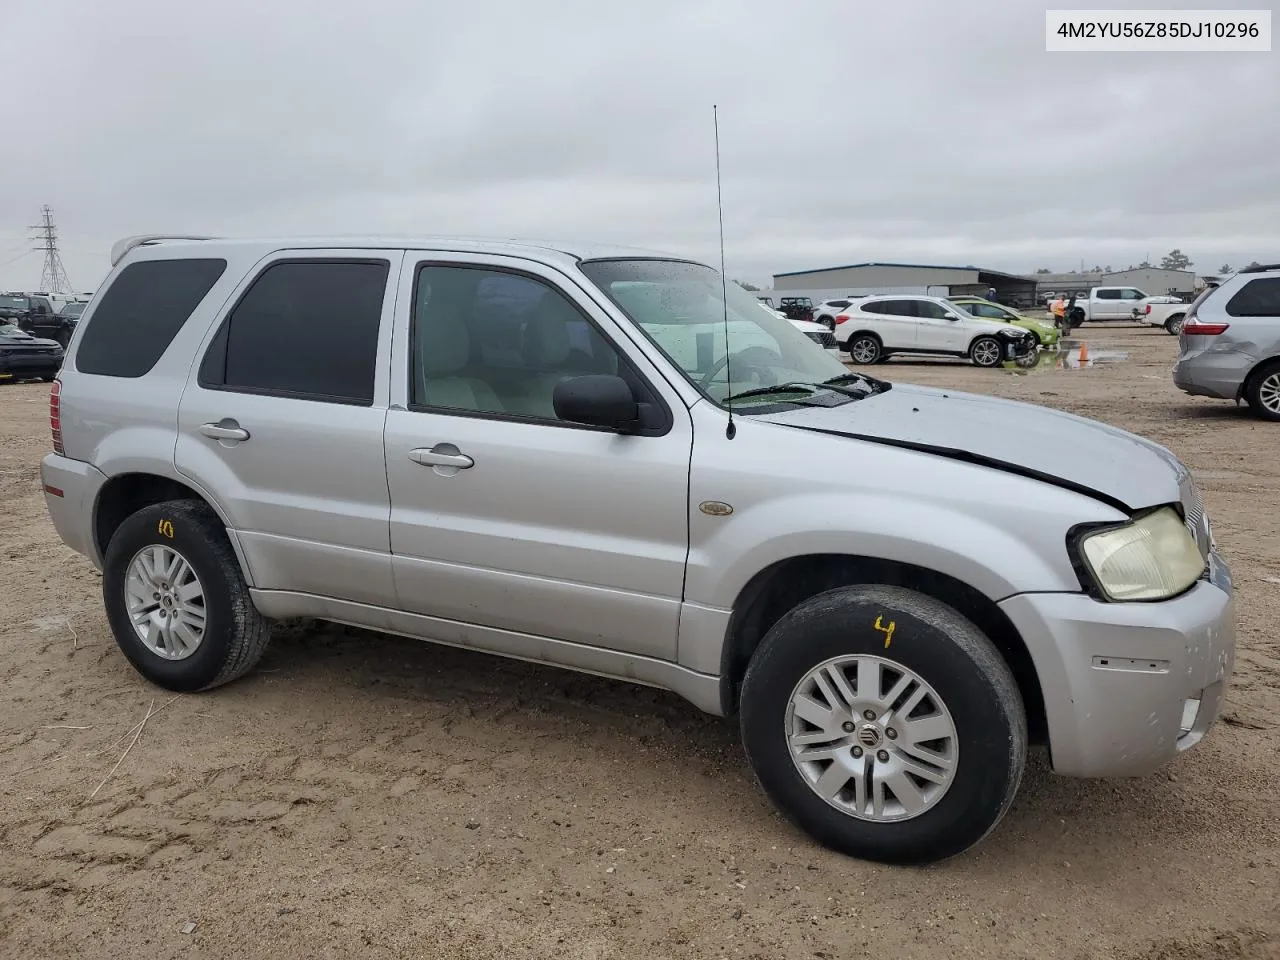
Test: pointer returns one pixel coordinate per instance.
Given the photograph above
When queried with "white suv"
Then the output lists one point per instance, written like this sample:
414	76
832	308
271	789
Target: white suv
875	328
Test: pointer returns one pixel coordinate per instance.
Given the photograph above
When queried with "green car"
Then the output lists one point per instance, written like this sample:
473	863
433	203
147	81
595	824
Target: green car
1047	333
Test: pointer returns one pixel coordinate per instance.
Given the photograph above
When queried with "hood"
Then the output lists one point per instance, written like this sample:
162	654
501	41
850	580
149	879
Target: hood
1109	464
27	340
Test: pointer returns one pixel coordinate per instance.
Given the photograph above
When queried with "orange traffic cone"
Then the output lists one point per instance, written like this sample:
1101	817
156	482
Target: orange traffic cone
1084	352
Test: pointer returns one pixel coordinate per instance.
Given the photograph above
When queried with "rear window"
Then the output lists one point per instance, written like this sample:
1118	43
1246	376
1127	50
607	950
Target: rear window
140	314
1257	298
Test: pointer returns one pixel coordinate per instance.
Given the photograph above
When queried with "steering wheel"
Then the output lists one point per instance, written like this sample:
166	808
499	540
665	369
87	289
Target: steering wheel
753	358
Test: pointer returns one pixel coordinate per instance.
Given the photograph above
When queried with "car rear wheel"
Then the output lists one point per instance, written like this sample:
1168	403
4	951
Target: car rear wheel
986	352
828	322
177	600
865	348
1174	324
1263	391
885	724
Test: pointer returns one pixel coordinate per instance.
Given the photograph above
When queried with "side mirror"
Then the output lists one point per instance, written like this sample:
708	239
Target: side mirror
598	400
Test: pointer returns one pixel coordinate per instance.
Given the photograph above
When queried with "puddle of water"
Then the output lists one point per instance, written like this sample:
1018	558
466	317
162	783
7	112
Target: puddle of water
1072	355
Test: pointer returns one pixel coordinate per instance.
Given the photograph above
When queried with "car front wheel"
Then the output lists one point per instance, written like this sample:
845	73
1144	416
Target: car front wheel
986	352
884	724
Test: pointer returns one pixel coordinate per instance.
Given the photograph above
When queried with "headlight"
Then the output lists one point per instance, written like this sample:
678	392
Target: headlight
1013	332
1152	558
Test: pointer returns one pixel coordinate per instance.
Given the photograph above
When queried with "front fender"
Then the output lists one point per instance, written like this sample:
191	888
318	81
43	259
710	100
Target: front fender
994	559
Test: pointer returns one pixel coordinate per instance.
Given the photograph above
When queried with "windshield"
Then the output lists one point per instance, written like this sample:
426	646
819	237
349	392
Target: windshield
681	308
13	303
73	309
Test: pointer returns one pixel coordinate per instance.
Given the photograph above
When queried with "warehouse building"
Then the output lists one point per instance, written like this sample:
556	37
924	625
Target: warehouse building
867	278
1152	281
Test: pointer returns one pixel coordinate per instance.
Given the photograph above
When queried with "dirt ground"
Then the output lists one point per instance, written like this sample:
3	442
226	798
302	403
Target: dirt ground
362	795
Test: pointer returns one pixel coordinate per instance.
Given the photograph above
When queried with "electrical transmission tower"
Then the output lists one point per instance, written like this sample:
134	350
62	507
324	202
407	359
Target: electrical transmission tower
53	278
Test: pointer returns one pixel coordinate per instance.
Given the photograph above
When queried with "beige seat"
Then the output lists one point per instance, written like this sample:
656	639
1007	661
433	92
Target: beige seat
545	346
443	350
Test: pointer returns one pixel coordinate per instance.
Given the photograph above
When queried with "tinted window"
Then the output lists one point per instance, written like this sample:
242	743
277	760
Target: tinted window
487	341
1257	298
1132	294
927	310
839	304
138	316
1109	294
306	329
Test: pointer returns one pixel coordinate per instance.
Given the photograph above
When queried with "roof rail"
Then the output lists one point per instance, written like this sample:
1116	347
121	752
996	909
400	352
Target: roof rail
1259	268
122	247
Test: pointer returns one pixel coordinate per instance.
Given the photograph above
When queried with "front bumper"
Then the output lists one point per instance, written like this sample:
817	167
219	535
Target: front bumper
29	365
1129	686
70	493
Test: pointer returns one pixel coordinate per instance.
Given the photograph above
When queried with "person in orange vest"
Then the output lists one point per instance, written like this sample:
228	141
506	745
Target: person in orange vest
1059	310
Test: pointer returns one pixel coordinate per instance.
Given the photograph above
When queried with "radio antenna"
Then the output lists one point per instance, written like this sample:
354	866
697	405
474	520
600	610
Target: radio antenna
731	428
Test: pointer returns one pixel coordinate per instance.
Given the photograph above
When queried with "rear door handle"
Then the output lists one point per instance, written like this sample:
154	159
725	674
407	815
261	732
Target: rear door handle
224	429
441	455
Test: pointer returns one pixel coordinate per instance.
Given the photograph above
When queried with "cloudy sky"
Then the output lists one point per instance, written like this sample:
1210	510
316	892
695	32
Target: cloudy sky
912	130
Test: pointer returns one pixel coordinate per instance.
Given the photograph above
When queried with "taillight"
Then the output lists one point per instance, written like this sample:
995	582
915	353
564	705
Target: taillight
1148	310
842	318
55	417
1194	328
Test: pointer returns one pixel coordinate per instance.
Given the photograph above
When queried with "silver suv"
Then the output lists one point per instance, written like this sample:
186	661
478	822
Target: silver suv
586	457
1229	344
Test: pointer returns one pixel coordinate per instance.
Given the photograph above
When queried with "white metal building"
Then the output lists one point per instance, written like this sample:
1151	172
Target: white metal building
1152	281
866	278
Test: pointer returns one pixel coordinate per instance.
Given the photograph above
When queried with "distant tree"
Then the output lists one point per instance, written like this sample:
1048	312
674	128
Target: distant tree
1044	270
1096	268
746	286
1225	268
1107	269
1175	259
1254	265
1144	265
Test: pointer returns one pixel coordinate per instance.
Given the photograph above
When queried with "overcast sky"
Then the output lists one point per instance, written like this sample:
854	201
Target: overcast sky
934	132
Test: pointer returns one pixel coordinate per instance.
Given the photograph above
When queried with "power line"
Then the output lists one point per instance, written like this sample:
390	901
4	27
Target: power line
53	276
25	253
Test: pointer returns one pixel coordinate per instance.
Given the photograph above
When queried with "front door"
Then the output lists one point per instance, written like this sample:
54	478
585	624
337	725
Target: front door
939	329
282	419
504	516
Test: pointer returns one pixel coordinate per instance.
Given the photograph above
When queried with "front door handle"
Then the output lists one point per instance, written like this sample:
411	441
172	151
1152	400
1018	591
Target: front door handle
441	455
224	429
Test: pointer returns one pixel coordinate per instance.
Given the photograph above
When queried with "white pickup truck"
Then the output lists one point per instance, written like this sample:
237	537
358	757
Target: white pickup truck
1167	312
1112	303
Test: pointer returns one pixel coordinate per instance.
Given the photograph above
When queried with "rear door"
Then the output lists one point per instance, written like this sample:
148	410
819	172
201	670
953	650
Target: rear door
895	322
282	421
1107	305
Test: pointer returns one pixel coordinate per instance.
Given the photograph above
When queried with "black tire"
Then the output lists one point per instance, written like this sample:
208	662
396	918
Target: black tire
1260	389
235	634
946	651
1077	317
1174	324
869	345
828	322
986	341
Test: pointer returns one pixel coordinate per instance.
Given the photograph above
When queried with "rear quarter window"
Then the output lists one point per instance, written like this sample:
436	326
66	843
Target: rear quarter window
141	312
1257	298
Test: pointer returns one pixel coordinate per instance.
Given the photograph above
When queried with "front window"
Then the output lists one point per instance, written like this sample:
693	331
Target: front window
681	307
13	303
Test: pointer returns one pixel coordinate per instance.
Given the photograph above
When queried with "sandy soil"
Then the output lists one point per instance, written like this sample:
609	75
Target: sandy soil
360	795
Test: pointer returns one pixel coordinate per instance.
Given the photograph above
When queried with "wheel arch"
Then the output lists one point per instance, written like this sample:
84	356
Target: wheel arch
1254	371
780	587
124	494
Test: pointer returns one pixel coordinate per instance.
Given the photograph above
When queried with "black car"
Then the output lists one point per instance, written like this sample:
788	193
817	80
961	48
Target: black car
24	357
34	314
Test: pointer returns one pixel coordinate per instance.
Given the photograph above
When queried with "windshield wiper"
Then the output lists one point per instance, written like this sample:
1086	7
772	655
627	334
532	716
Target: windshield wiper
796	386
875	386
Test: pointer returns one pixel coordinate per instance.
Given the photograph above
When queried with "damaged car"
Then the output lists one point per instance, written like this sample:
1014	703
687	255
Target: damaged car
895	591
